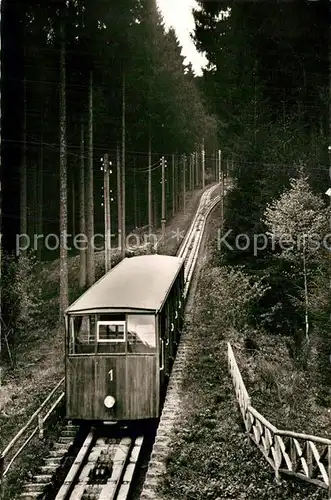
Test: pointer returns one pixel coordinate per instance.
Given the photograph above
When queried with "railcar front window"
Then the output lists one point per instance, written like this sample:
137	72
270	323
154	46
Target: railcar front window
111	336
141	333
82	338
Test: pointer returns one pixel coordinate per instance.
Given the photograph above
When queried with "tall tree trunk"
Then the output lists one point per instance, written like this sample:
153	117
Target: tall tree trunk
73	198
82	221
119	198
89	200
24	209
184	184
23	180
179	191
63	182
173	185
34	200
40	184
203	163
0	208
123	169
150	213
155	211
136	223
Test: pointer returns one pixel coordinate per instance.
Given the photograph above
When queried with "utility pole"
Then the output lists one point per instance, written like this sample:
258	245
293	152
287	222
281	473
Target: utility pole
222	200
219	165
123	170
216	165
173	184
197	168
119	198
136	223
106	204
163	215
203	163
73	204
150	214
184	185
193	171
178	183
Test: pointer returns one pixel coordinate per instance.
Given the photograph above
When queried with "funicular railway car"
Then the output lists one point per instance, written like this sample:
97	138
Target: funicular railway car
121	340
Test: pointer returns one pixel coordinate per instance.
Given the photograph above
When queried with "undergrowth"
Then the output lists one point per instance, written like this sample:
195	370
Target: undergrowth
210	456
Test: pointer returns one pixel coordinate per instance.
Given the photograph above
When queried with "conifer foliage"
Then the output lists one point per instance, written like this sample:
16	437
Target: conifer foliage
69	95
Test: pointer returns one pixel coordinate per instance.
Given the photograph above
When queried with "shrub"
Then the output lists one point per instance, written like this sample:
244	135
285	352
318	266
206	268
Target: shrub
229	295
21	297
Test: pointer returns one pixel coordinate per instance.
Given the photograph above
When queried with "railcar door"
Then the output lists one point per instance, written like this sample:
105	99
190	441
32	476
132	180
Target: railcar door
80	376
110	388
167	346
142	398
162	352
110	370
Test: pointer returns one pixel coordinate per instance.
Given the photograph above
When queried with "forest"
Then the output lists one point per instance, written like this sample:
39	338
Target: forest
84	80
87	83
268	83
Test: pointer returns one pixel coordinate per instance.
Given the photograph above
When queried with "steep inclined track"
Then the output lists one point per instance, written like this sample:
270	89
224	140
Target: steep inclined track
171	409
104	466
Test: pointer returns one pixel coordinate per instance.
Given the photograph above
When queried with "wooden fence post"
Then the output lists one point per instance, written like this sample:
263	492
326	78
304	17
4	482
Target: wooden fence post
2	464
293	455
41	426
278	459
309	459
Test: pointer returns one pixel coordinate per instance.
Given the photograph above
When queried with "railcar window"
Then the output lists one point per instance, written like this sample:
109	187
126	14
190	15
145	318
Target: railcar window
141	333
82	338
111	336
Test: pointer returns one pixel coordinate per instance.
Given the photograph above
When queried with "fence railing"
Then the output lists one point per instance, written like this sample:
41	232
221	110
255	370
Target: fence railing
35	424
301	455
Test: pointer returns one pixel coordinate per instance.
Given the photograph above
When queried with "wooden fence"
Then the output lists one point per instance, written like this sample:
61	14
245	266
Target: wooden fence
303	456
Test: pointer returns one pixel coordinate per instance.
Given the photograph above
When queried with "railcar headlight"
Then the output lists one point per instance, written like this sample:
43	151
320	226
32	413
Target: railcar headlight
109	401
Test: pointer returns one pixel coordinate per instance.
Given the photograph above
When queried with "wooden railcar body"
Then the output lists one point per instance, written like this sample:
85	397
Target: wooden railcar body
121	340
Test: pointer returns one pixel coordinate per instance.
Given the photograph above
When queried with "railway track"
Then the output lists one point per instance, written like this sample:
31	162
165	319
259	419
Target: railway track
171	408
105	464
103	468
190	246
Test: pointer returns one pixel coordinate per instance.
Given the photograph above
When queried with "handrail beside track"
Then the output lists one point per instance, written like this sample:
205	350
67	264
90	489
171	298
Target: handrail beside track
36	417
301	455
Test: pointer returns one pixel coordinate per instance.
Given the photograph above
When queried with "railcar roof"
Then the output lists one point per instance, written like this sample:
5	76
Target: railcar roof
140	283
